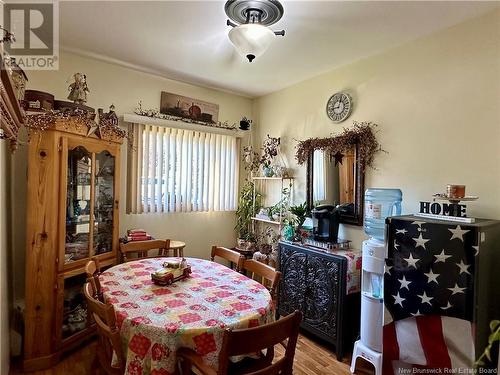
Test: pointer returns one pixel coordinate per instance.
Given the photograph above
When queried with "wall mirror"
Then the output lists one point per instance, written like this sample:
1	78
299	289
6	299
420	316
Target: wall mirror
337	179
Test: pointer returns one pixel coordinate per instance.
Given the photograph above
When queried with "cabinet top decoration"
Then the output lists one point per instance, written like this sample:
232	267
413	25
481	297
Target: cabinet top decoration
76	122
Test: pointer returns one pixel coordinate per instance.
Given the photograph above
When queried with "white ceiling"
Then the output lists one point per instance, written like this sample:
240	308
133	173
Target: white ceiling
187	40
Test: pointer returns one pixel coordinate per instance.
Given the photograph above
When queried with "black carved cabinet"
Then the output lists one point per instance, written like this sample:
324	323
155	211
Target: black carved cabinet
314	282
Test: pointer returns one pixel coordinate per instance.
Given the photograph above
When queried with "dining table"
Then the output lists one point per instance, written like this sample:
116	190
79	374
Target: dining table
155	321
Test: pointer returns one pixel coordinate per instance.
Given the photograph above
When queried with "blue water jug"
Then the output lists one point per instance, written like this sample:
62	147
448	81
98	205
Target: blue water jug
379	204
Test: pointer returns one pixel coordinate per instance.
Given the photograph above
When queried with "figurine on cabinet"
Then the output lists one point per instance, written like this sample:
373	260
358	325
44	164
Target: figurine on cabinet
78	89
109	117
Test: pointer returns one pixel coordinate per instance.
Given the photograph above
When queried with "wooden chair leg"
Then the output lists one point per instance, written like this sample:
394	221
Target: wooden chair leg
95	366
185	367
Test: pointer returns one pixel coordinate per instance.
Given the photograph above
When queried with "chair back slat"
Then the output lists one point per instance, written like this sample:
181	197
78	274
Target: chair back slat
93	270
253	340
229	255
109	336
165	250
141	249
268	276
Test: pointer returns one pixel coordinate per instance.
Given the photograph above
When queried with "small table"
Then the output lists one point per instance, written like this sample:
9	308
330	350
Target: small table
155	321
177	247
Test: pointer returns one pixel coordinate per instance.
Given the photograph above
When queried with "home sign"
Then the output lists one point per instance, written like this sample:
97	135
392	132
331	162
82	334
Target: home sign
446	209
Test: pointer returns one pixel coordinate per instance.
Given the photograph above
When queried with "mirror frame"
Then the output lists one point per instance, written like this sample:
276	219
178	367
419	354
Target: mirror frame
357	217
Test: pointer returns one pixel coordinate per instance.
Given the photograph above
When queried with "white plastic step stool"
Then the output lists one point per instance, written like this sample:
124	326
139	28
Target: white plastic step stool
361	350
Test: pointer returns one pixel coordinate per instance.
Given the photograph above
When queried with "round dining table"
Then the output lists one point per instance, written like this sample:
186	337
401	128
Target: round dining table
155	321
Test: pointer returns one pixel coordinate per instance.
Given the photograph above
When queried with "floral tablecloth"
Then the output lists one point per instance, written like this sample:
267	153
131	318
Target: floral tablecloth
155	321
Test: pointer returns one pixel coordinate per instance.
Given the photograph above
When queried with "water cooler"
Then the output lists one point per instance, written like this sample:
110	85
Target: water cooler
379	203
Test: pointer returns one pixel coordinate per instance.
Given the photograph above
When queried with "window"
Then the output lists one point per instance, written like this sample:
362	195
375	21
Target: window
179	170
319	176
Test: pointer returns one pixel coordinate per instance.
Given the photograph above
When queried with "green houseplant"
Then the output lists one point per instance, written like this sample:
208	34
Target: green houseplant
294	221
300	213
244	213
493	337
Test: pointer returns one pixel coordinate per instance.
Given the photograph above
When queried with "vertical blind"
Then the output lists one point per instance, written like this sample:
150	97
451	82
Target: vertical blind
178	170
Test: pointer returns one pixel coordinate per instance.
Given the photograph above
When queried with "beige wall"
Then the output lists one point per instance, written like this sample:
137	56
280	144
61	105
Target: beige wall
110	83
4	255
437	101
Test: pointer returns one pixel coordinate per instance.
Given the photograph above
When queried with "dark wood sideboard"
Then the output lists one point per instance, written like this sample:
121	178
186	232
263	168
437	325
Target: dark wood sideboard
314	282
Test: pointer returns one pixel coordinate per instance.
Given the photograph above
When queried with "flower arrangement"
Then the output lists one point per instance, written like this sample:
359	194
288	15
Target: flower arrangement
270	148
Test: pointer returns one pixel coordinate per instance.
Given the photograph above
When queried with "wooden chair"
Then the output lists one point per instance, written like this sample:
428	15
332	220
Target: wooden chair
265	273
93	270
109	337
248	341
228	254
177	247
141	249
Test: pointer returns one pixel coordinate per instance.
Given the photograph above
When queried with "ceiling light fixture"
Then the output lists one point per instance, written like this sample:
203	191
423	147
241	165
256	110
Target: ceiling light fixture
249	20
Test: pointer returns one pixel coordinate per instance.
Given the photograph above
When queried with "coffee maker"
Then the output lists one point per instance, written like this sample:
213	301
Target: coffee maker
326	219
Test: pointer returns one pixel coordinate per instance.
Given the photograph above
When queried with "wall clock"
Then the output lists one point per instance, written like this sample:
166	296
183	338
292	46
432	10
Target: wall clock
339	107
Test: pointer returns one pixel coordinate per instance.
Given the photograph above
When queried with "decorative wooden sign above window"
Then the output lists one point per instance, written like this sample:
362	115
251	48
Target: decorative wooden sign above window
194	109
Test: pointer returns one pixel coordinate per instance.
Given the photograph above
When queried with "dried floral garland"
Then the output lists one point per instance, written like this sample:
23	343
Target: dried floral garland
154	113
47	120
362	134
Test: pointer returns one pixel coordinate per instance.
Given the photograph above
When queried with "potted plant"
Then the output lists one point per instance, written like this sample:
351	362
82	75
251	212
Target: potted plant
300	213
492	338
280	209
246	204
270	148
245	212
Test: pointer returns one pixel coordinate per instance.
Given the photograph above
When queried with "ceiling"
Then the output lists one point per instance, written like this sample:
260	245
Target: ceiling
187	40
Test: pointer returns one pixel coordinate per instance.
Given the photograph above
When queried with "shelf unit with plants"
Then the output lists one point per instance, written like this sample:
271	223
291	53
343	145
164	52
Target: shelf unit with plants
268	222
259	228
279	208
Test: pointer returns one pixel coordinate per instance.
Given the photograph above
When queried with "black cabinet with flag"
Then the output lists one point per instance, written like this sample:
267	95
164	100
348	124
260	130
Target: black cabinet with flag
441	291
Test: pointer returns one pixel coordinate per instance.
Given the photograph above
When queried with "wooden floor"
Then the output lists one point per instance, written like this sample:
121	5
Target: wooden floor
311	358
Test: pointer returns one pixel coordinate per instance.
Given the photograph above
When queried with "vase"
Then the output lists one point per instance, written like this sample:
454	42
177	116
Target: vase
288	232
268	171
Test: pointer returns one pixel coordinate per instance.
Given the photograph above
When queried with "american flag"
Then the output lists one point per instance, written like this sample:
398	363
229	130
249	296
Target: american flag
428	296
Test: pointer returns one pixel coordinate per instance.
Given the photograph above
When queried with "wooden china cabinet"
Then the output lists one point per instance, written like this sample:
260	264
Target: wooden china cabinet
72	215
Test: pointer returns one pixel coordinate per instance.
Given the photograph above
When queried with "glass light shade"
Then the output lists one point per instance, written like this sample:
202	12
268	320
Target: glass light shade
251	39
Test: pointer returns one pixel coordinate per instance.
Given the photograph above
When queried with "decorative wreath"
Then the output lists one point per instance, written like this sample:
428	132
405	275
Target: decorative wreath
362	134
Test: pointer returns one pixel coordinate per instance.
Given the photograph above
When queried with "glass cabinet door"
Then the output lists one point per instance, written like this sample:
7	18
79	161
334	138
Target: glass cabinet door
103	202
78	205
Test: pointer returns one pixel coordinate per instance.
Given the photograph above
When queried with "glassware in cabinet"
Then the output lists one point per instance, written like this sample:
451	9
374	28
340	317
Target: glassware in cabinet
104	202
78	204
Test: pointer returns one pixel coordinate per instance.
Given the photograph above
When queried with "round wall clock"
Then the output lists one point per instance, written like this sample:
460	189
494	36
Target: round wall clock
339	107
